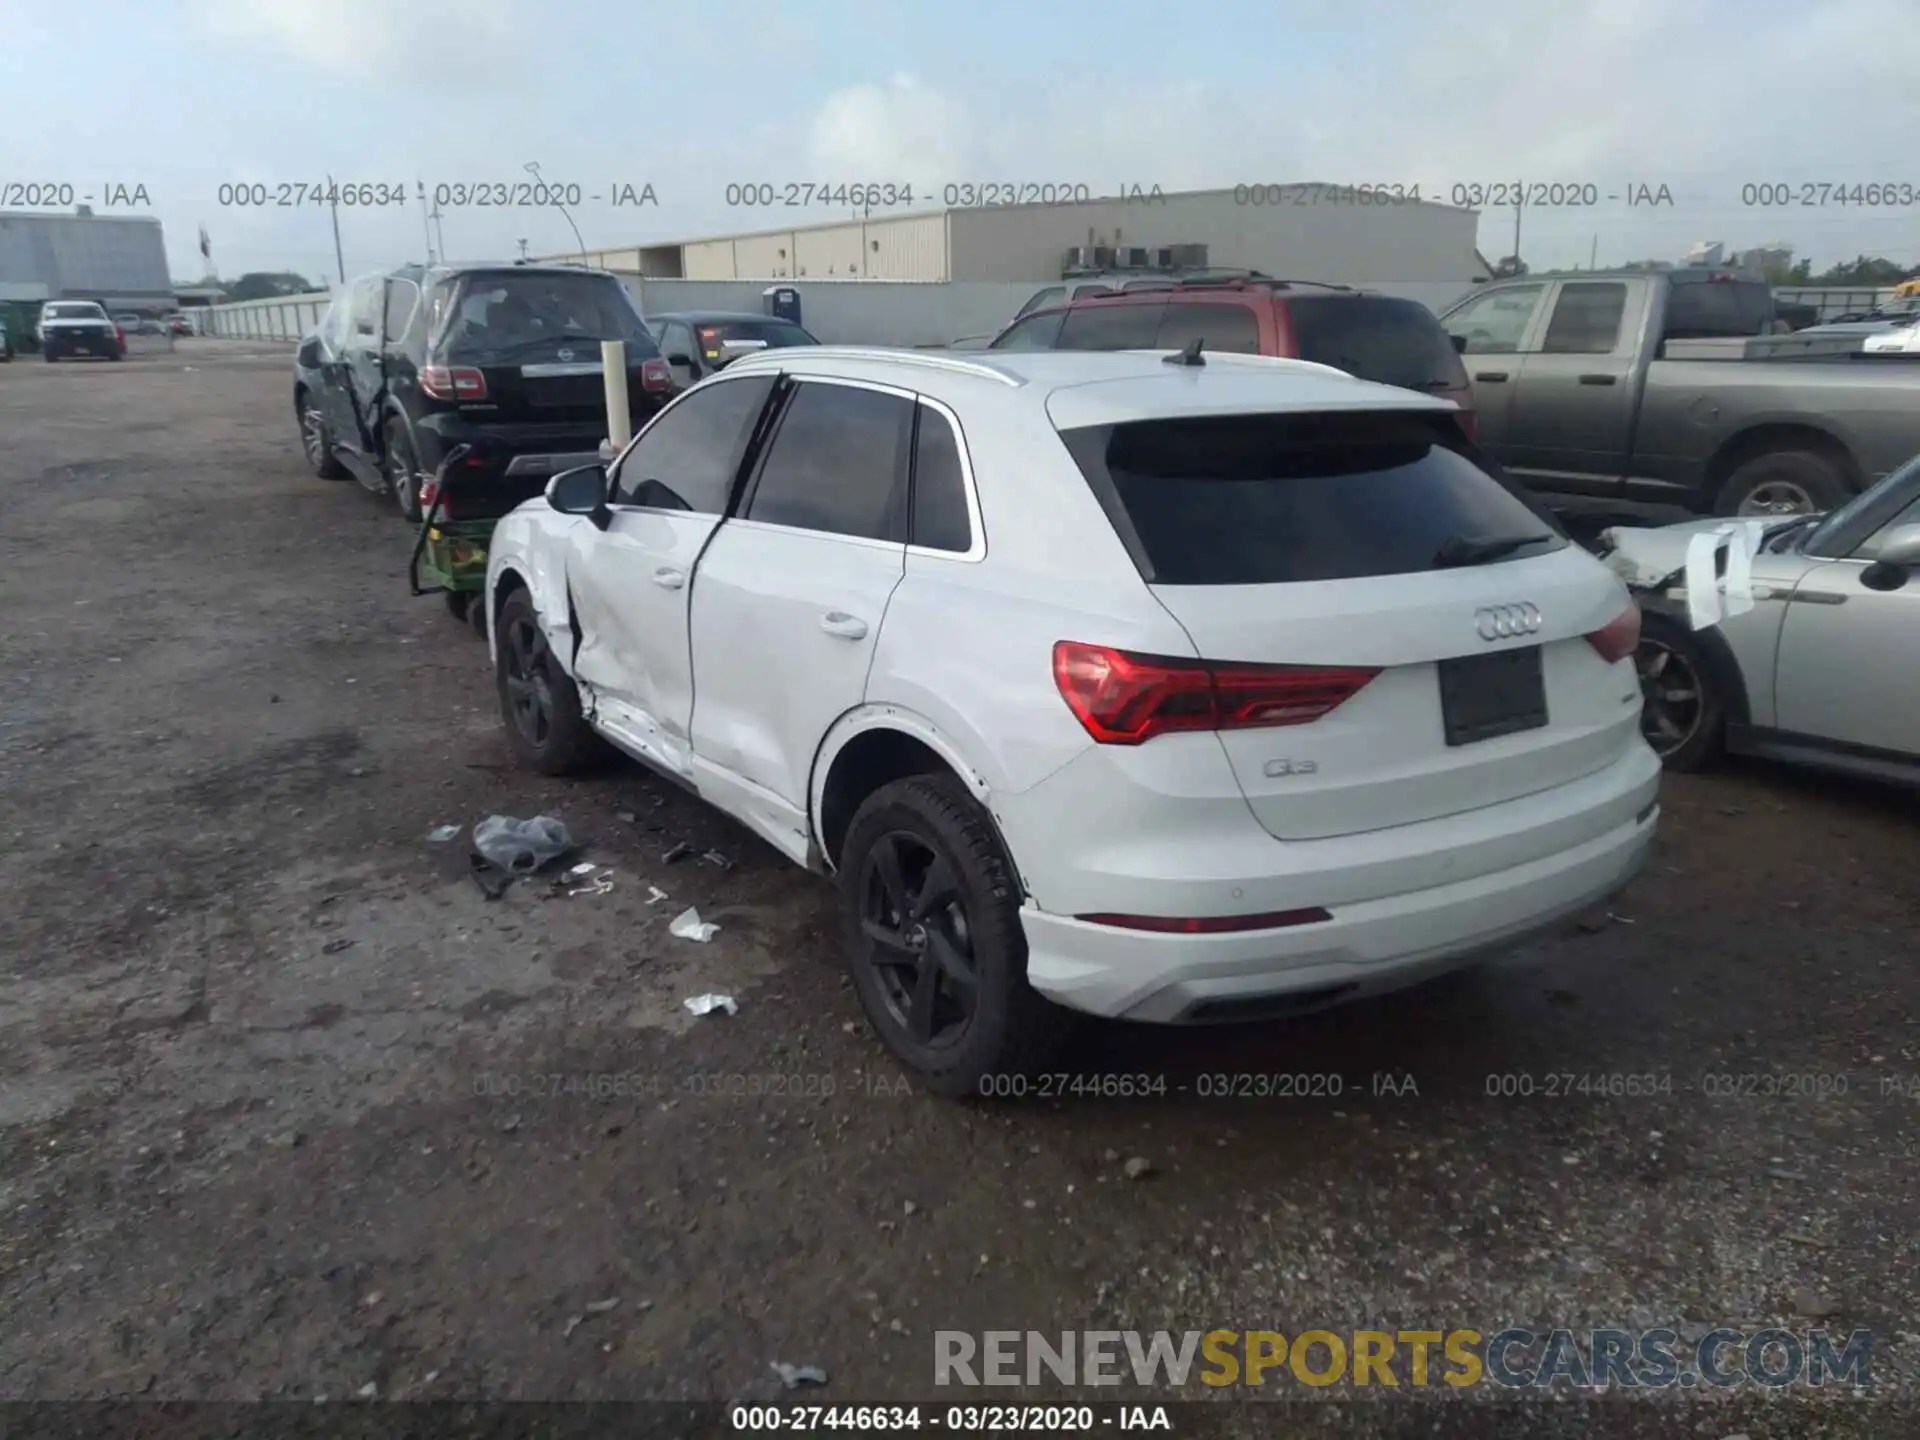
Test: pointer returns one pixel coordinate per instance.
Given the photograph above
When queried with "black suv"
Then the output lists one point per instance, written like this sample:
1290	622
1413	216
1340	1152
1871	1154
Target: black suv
502	358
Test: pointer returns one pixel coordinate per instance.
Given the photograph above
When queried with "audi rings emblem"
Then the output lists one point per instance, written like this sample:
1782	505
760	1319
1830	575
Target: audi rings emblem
1503	622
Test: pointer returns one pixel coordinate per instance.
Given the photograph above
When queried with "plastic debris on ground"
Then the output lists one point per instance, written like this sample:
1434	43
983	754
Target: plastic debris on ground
794	1376
521	847
440	834
689	926
707	1004
492	880
714	857
680	850
599	885
655	895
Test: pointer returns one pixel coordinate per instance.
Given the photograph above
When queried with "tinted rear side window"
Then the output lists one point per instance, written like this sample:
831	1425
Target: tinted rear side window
1277	499
1036	332
1706	309
837	463
1223	329
1112	327
1376	337
939	489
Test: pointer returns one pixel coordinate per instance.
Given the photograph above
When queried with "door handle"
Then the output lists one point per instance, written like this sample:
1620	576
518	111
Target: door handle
668	579
847	627
1598	379
1491	375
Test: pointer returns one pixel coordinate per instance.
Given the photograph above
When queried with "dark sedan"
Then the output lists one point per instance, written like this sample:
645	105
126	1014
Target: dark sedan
699	342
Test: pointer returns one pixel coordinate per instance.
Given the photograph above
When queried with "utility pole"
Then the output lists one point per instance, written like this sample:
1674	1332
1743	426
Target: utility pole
523	247
333	203
1593	255
439	230
1516	235
532	167
426	233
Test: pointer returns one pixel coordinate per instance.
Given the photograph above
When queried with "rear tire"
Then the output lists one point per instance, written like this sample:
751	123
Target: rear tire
948	992
456	601
403	469
538	700
48	356
1683	714
1784	482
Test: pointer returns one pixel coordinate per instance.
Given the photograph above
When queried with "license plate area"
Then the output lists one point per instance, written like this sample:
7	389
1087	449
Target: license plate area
1484	696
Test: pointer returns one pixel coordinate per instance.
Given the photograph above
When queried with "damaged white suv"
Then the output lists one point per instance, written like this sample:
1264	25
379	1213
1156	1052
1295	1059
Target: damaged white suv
1180	688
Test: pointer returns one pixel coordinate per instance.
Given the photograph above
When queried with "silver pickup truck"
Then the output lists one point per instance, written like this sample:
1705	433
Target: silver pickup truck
1651	387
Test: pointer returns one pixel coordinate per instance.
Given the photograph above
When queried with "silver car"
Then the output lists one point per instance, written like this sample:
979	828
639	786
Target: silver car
1823	670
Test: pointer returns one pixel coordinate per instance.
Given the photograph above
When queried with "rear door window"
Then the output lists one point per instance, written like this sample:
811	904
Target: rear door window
837	463
403	298
1112	327
1285	498
1379	338
939	487
1586	318
1224	329
1052	295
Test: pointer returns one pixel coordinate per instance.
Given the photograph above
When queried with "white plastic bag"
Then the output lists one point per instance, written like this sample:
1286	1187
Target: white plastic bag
689	926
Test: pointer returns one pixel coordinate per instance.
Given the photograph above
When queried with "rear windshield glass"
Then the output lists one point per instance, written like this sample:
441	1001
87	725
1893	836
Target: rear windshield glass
1274	499
774	334
75	312
1379	338
509	314
1710	309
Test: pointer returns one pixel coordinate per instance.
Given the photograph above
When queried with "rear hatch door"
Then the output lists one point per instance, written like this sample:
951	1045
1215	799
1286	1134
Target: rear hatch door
1371	540
535	337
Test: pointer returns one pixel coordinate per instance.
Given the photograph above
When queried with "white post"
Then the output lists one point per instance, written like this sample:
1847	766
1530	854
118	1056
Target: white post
613	362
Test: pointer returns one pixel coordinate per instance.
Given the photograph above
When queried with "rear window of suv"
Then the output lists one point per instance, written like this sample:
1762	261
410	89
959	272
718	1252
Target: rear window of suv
1282	498
75	312
488	316
1377	337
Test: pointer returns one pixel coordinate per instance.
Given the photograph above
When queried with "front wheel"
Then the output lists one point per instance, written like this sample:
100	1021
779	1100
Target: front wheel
1682	713
538	700
931	916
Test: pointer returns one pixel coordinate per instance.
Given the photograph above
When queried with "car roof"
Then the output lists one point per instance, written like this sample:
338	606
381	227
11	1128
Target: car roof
1099	387
701	317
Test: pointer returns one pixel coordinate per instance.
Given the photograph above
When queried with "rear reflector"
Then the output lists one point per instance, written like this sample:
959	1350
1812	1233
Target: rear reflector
1121	698
458	382
1210	924
1619	637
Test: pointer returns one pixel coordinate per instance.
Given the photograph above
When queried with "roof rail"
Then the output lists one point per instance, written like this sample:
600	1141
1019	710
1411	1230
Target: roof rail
953	364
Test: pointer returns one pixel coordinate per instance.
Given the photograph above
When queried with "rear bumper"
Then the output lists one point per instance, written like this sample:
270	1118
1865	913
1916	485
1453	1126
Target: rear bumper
1405	902
1365	949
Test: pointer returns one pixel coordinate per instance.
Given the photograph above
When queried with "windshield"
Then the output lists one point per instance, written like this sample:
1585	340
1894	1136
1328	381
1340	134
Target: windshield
75	312
497	316
1881	502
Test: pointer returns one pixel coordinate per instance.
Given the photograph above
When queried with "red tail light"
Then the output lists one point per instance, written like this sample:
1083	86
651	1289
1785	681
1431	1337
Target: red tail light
1619	637
1127	699
1211	924
654	375
457	382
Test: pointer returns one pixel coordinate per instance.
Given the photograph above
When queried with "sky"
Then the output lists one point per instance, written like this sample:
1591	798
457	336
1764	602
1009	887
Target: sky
1704	97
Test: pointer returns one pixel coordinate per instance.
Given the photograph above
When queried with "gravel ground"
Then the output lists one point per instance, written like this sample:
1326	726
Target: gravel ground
279	1114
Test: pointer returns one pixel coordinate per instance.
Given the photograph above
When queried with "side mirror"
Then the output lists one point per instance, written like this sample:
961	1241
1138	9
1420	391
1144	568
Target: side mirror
1459	343
1898	556
581	491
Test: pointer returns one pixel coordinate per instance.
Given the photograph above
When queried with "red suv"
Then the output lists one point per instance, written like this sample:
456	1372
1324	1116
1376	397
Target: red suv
1372	336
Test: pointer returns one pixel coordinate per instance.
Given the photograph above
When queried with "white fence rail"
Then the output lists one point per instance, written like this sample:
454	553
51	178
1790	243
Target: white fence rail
281	318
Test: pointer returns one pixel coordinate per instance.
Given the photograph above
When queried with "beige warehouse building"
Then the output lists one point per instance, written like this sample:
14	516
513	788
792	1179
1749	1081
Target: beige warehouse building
1303	232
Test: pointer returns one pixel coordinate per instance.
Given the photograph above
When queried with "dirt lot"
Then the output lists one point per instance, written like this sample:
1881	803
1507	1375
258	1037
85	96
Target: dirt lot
276	1109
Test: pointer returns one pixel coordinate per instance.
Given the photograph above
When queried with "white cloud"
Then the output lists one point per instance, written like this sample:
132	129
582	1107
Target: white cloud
427	41
1697	95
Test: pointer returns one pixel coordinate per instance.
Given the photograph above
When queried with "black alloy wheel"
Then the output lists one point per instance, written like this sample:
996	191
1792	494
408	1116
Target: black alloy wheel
919	945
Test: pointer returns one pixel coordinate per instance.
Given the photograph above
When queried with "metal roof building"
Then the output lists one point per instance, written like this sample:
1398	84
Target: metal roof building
116	259
1306	232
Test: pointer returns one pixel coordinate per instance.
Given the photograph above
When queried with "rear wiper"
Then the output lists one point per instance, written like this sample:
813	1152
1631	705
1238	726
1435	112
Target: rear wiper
1461	550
